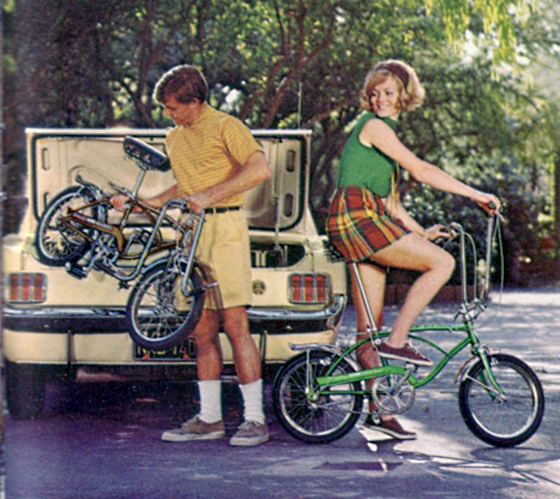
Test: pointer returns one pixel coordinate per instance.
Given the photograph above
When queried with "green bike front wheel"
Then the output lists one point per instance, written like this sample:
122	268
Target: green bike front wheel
502	420
327	416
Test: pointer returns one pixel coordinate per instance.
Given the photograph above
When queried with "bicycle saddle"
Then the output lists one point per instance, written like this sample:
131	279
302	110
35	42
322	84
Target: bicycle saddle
145	156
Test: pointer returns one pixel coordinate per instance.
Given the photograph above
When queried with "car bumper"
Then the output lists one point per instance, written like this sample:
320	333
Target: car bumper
86	336
83	320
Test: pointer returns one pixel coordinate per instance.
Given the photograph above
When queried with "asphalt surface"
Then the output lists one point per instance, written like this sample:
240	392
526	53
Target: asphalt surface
101	440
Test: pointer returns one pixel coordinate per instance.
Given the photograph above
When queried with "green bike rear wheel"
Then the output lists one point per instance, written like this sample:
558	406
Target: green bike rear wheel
328	417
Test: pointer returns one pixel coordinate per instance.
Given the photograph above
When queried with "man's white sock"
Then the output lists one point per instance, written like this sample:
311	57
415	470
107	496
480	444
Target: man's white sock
253	401
210	400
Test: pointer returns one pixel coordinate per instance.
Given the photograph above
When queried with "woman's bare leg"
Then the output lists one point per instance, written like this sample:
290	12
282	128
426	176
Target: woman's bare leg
373	279
416	253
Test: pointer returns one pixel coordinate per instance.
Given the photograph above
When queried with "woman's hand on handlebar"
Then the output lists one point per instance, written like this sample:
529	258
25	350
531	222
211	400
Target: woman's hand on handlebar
489	203
435	232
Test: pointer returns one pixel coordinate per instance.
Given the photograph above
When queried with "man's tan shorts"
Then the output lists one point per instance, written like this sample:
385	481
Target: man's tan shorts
223	252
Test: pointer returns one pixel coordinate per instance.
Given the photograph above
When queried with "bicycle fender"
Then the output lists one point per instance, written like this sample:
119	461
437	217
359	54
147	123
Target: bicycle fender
163	261
151	265
469	363
331	349
465	368
96	191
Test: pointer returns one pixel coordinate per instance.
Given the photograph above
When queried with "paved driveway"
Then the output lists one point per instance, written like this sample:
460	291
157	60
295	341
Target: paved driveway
101	441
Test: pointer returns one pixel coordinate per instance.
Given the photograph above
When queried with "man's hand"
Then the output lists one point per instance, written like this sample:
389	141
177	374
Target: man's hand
198	201
119	202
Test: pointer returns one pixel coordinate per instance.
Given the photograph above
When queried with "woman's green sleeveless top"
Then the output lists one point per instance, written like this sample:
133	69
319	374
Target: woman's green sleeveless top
366	166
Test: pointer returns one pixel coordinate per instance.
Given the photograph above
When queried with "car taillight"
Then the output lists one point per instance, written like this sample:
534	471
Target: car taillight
309	288
27	287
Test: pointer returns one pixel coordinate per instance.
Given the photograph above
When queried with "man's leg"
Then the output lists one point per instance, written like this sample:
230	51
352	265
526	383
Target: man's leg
209	364
245	352
248	368
208	424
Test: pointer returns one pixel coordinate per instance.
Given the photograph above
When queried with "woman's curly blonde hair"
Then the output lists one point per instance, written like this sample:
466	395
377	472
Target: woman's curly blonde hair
411	92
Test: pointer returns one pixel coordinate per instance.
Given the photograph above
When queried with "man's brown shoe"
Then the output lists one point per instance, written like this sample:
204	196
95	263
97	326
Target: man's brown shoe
195	429
250	434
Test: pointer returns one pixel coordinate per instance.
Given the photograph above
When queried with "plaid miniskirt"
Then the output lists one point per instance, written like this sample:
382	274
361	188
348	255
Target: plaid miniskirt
358	224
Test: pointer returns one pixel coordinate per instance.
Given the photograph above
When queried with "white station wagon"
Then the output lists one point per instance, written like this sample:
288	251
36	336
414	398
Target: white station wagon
55	323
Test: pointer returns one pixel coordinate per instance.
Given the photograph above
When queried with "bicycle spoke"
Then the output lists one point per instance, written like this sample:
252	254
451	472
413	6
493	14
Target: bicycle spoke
325	416
507	419
158	314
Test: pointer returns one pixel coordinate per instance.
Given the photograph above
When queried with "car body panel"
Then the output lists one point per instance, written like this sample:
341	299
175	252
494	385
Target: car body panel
80	322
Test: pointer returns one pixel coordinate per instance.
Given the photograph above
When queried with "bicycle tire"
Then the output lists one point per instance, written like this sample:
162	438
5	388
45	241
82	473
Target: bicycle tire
152	318
508	422
57	244
316	422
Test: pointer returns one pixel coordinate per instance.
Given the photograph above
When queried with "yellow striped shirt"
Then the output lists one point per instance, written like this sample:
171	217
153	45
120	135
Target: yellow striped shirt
208	151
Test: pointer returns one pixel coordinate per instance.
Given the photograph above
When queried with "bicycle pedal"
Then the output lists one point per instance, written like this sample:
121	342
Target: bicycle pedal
75	270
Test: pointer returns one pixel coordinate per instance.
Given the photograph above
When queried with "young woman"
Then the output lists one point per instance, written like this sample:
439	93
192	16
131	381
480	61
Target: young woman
368	224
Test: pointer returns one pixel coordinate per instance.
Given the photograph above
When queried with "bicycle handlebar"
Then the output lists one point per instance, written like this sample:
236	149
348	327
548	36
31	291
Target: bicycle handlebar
456	231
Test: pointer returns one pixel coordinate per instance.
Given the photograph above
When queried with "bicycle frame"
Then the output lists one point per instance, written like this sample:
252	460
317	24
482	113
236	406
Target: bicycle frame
468	310
320	394
103	257
111	248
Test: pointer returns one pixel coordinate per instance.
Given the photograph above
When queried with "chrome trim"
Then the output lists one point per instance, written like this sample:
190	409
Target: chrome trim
282	314
115	134
88	319
64	312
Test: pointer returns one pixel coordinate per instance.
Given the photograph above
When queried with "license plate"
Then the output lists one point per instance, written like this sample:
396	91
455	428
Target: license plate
184	351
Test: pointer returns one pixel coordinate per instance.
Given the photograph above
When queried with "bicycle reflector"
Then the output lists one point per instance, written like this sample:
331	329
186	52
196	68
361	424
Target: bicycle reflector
307	288
27	287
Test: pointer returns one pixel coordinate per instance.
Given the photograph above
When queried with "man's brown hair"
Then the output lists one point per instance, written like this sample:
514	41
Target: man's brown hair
185	83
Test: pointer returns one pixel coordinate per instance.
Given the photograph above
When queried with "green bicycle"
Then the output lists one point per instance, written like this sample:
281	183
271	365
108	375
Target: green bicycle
318	395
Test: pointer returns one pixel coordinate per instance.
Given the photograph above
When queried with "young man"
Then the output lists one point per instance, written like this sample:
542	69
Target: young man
215	159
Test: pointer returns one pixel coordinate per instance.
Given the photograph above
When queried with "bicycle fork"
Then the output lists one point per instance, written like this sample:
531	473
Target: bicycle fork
486	378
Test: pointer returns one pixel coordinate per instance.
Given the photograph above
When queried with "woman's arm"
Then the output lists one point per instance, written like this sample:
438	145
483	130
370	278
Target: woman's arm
401	215
377	133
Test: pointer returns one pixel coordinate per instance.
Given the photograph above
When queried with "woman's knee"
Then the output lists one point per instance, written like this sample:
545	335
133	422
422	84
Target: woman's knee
446	264
441	263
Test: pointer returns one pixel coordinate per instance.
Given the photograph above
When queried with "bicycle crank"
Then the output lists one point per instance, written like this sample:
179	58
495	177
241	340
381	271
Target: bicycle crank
393	393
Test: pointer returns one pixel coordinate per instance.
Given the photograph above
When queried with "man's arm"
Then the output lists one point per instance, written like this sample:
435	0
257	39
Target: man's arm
254	171
118	201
